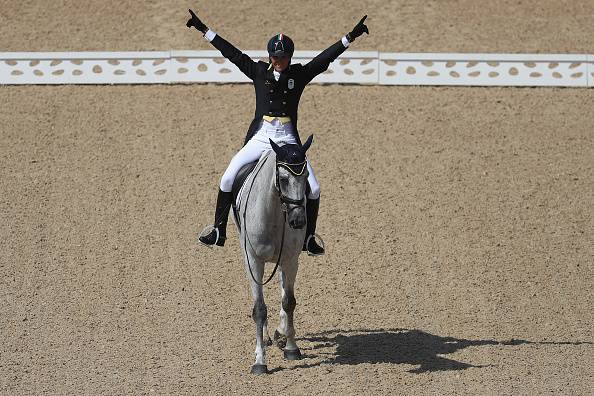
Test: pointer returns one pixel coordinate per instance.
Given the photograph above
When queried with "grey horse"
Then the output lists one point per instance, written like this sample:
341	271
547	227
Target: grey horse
270	217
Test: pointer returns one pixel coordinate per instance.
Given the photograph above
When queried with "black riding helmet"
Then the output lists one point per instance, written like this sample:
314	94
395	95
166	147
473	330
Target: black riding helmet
280	45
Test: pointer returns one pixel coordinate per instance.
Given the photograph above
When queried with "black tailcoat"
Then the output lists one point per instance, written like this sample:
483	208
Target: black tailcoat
277	98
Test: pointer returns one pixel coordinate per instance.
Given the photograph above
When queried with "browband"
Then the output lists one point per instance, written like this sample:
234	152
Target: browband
296	169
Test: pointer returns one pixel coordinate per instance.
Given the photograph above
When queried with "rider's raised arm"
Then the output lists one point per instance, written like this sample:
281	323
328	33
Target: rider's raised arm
320	63
238	58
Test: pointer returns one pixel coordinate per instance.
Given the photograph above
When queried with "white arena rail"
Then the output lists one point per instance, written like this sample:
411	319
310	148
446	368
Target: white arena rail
84	67
353	67
486	69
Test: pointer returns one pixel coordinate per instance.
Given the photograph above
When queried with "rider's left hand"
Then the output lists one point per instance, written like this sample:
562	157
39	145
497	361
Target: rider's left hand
358	30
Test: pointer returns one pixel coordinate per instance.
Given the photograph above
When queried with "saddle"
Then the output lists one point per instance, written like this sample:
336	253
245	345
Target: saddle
240	179
242	175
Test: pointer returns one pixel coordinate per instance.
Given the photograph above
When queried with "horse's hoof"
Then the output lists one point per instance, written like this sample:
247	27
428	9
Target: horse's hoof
293	355
280	339
259	369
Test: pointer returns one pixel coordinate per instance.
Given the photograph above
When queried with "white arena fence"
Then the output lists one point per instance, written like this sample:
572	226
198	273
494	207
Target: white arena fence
352	67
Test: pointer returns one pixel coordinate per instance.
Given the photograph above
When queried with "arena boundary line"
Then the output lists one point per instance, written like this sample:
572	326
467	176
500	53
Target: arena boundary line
353	67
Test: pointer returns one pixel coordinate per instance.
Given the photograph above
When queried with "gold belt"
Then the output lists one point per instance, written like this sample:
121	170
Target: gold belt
283	120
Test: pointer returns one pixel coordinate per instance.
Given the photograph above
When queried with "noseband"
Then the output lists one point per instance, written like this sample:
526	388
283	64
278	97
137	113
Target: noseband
297	170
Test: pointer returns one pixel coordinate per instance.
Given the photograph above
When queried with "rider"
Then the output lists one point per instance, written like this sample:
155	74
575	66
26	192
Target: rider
278	85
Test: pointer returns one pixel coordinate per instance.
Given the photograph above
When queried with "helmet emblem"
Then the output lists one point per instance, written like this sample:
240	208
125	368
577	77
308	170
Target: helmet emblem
280	45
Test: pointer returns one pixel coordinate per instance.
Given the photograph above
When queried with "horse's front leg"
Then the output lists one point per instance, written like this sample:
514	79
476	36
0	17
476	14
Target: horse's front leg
259	315
285	334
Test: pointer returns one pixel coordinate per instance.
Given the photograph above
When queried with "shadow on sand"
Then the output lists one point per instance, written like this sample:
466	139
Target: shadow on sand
397	346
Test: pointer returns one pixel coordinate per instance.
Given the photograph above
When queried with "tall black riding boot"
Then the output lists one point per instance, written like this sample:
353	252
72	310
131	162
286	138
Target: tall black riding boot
224	200
310	245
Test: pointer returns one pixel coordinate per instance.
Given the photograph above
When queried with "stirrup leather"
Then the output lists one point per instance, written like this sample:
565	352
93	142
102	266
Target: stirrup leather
316	237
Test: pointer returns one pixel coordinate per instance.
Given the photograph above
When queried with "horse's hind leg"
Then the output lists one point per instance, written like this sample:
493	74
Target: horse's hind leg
285	334
267	338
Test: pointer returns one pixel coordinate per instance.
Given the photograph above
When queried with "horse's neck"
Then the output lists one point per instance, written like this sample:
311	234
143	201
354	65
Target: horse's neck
265	185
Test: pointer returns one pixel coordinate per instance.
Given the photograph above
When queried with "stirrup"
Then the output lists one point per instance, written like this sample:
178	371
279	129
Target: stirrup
316	237
207	230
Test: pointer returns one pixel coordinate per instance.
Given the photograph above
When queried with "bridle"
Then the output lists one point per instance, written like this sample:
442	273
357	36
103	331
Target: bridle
285	202
297	170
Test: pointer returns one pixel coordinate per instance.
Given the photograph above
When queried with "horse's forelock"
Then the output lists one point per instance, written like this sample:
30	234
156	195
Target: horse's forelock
290	154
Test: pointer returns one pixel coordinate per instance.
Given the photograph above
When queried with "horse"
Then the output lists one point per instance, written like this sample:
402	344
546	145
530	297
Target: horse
270	216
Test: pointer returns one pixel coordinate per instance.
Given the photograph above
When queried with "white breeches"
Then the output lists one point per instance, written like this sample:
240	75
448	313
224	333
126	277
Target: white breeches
256	146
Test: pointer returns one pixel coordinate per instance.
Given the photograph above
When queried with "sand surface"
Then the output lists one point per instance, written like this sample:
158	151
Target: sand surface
459	221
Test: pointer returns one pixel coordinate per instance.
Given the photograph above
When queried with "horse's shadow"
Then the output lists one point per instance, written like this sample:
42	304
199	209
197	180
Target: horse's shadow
396	346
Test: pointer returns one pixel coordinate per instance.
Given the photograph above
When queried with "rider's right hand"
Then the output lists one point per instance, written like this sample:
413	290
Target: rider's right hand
196	22
358	30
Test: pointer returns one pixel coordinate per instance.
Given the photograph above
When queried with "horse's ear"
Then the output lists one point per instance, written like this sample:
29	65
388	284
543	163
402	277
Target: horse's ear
274	146
307	143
